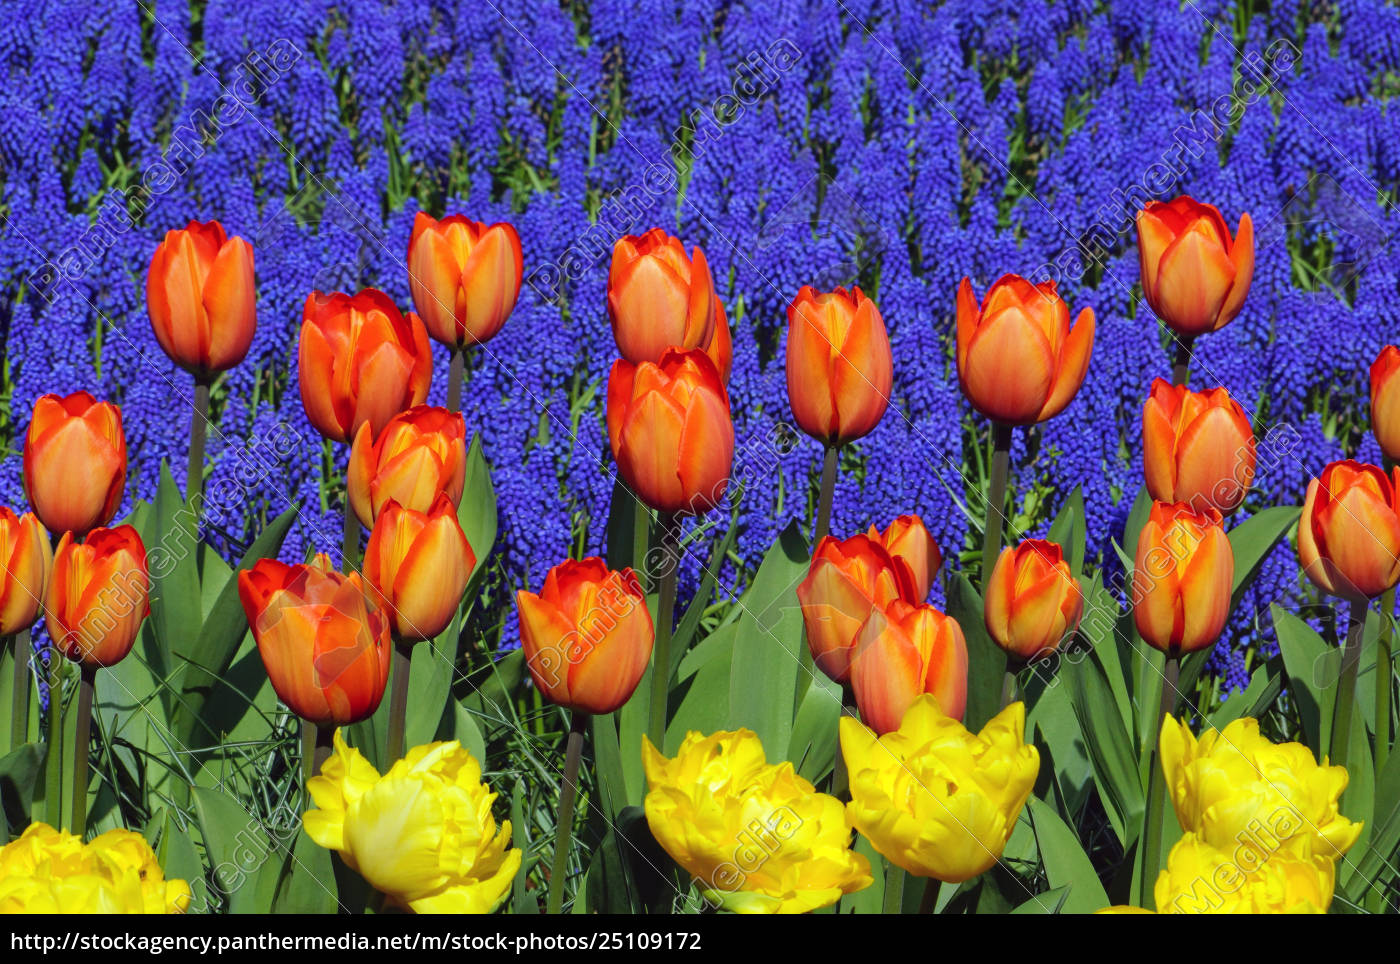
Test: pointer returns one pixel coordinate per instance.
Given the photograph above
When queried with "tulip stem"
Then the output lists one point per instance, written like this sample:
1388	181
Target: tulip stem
455	377
894	890
19	706
641	542
564	830
308	751
1346	689
398	697
996	498
1181	366
1157	781
1008	684
80	750
350	542
323	746
199	426
665	610
1384	678
828	490
53	763
932	885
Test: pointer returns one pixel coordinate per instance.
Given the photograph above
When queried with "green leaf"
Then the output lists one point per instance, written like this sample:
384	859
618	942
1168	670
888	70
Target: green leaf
238	849
1050	902
178	859
763	675
466	732
21	772
1264	687
1070	531
1252	540
1066	863
607	764
1361	870
704	705
522	901
814	733
986	663
175	590
1111	751
477	512
1312	667
307	880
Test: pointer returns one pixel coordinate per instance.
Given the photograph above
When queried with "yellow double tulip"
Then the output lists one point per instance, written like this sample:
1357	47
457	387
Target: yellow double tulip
48	871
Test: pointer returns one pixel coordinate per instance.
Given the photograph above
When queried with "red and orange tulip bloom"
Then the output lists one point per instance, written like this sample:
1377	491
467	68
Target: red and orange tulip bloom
1385	401
464	276
847	580
587	635
670	431
839	367
360	362
1183	573
1033	600
1019	361
99	595
27	558
1349	532
200	295
418	564
74	462
658	298
326	648
1197	447
421	452
913	547
903	652
721	347
1194	274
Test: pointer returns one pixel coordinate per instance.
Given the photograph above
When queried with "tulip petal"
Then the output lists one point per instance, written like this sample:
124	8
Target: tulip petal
1193	282
1074	364
1009	371
1242	257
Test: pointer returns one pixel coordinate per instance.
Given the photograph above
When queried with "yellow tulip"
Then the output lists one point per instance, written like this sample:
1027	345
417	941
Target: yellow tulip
757	838
933	798
422	834
1201	879
48	871
1234	788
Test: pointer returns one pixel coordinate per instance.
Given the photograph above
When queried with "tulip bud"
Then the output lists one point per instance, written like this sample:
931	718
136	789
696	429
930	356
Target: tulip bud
839	367
721	347
360	362
587	636
99	595
199	292
1197	447
912	547
1194	275
670	431
1349	532
658	298
324	645
1182	577
847	580
1033	600
1019	362
27	558
421	452
903	652
1385	401
418	564
464	277
74	462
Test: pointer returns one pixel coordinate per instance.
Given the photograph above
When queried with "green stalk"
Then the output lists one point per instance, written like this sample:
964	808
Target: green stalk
1346	688
1384	679
350	542
86	686
996	499
398	698
894	890
665	612
19	706
1181	365
641	541
1157	802
199	426
324	745
455	377
564	830
53	767
1008	683
823	523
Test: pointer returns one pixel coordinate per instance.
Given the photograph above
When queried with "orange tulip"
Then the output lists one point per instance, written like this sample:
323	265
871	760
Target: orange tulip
27	558
721	347
464	277
1197	447
1349	533
1019	362
587	636
903	652
1385	401
1033	600
326	648
913	547
421	452
74	462
199	292
1194	275
839	367
99	595
658	298
418	565
846	581
670	432
1182	577
360	362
